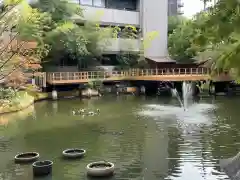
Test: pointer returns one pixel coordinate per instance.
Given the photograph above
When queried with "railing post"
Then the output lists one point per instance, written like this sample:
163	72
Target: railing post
190	70
68	74
185	71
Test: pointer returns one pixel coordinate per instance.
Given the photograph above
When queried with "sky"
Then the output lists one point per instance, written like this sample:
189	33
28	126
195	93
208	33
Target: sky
192	7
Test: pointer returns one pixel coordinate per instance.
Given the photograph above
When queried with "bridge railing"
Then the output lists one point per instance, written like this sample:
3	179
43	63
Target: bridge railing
93	75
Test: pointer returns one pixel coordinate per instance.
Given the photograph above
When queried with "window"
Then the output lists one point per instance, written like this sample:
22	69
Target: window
86	2
99	3
122	4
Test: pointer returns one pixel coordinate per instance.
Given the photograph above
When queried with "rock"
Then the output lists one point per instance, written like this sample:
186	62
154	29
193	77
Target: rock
89	93
231	167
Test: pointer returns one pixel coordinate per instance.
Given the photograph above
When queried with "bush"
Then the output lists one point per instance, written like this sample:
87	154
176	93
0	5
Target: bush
97	84
7	93
31	87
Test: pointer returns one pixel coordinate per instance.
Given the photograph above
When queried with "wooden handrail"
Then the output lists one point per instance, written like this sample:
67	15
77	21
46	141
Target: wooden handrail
94	75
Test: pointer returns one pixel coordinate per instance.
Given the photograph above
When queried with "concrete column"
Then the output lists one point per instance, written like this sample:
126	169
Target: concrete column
154	17
54	95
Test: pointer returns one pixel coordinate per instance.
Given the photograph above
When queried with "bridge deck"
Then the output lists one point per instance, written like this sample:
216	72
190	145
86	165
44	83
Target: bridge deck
177	74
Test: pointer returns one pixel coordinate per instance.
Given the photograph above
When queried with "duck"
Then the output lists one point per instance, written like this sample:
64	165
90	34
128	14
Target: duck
81	110
91	113
74	112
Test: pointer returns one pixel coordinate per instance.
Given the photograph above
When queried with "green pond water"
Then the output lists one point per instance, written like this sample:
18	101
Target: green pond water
146	138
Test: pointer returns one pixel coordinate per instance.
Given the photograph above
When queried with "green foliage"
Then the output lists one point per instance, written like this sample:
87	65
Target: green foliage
221	33
21	41
180	43
69	37
60	10
212	35
174	22
74	43
131	58
90	84
7	93
32	24
97	84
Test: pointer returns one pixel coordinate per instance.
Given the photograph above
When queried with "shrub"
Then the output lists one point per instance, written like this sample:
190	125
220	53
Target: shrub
7	93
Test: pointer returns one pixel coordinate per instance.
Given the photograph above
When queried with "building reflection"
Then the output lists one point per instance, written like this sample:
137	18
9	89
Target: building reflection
174	158
155	152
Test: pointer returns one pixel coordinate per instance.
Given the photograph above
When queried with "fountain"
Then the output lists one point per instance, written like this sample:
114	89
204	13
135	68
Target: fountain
176	94
186	94
187	113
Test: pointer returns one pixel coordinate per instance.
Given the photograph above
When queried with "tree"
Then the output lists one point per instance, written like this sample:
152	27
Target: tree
17	53
222	30
174	22
72	41
212	36
190	38
180	43
128	58
205	3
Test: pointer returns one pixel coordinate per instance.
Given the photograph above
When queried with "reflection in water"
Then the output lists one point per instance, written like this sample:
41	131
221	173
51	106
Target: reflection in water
191	123
146	138
195	114
9	117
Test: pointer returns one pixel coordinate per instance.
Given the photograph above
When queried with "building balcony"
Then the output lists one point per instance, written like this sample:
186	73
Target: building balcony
180	11
109	16
180	3
112	46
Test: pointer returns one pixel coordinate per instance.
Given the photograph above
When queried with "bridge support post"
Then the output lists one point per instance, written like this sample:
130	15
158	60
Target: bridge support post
143	90
54	95
211	89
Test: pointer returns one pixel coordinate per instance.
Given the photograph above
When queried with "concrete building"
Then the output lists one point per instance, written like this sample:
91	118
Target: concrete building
148	15
175	7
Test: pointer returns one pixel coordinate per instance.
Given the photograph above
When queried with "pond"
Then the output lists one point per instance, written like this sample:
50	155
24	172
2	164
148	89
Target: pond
146	138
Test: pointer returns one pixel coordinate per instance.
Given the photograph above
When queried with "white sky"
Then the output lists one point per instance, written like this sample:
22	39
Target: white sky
191	7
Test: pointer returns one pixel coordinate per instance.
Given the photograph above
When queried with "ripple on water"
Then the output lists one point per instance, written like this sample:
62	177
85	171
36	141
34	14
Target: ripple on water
195	114
161	142
193	123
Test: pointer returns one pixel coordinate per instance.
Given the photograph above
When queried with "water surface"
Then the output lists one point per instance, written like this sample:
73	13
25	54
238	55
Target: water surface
146	138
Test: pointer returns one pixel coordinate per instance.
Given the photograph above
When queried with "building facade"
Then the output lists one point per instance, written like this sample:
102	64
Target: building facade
175	7
147	15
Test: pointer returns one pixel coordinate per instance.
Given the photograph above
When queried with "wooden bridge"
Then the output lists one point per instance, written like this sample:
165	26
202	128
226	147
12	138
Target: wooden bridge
173	74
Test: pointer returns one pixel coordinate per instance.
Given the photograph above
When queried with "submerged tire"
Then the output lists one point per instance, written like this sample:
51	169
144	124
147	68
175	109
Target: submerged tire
42	168
100	169
26	157
73	153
